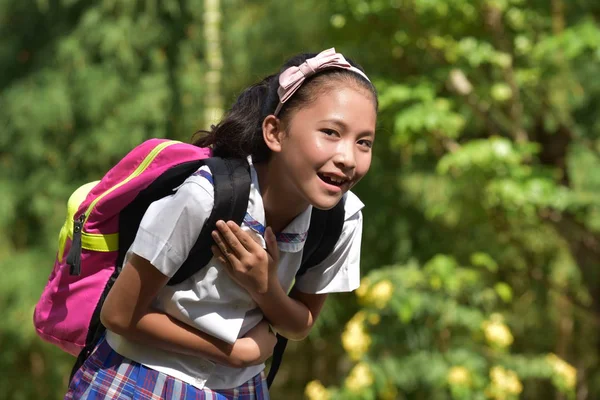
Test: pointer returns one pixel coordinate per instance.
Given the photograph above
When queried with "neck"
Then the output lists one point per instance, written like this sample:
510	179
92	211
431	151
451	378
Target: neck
281	201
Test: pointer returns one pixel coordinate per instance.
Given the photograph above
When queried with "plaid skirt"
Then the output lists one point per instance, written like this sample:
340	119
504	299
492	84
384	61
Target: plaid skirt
107	375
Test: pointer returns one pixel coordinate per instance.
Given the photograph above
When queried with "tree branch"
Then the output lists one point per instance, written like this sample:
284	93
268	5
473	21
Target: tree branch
496	26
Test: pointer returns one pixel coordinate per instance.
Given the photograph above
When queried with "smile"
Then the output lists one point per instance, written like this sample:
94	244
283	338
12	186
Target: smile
332	180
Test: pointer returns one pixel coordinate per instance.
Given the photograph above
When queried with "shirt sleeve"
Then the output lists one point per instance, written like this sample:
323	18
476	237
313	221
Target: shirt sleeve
171	225
340	271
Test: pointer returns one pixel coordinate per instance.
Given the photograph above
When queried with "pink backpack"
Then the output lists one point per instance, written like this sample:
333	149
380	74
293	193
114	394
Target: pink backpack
102	219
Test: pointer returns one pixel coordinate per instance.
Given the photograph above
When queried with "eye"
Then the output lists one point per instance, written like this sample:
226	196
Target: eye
329	132
366	143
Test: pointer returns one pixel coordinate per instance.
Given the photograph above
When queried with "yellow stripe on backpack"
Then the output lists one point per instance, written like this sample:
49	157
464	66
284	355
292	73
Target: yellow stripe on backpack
89	241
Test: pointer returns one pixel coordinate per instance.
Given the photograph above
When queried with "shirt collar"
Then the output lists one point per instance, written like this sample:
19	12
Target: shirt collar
352	205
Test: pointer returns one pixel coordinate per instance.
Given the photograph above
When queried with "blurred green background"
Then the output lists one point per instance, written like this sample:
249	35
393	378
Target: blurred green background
481	250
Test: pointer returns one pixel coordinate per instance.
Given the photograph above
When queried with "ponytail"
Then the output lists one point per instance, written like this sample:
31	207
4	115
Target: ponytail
239	134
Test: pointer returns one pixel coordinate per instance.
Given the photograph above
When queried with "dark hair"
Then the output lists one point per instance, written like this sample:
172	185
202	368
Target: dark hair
239	134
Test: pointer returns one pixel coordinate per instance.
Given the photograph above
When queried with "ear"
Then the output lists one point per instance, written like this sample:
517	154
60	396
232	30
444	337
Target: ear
272	133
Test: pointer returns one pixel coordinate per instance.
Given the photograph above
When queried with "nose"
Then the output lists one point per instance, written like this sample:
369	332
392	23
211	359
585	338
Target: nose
345	158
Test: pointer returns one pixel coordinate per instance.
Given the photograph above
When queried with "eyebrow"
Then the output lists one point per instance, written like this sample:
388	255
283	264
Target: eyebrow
344	126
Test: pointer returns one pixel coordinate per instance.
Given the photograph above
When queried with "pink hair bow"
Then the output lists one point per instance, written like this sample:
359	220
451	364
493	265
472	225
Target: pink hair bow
292	78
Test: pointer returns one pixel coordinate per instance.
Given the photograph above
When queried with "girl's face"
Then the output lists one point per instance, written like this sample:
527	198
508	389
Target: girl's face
325	148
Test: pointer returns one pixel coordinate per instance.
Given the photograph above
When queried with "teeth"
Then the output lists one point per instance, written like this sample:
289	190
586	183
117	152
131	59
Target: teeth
335	179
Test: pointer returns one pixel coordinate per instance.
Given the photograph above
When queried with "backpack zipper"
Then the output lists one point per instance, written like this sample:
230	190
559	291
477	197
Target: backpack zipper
74	256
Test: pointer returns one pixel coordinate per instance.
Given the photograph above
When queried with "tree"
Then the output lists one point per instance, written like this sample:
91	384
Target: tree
480	247
490	216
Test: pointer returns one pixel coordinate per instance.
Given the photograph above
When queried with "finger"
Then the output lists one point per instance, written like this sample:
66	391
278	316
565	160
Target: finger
245	239
218	254
224	247
229	269
230	239
272	248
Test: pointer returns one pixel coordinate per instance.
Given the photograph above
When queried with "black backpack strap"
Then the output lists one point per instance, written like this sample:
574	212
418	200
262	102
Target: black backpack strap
231	180
277	358
324	232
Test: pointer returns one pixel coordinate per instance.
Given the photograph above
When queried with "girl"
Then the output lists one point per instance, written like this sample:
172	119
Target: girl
307	133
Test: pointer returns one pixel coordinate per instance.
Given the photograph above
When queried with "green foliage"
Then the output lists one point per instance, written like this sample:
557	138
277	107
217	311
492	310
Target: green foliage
451	340
485	116
483	200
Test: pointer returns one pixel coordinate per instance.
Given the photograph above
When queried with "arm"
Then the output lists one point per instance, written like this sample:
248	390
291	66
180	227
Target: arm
292	316
127	311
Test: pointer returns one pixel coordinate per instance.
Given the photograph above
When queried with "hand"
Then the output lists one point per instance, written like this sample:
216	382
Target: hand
248	264
256	346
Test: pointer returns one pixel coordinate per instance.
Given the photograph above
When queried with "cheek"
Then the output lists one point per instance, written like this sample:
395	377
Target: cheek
317	143
315	148
363	163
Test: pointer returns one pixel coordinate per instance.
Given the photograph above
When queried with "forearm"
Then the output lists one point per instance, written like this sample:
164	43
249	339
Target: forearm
290	317
159	330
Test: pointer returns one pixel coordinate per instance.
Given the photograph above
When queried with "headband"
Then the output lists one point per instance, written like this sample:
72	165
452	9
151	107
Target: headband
292	78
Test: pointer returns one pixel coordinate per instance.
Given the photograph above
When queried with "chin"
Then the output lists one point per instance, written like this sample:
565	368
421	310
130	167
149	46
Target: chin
327	203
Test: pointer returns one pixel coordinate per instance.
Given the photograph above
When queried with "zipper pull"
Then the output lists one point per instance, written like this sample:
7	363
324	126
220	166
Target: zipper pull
74	256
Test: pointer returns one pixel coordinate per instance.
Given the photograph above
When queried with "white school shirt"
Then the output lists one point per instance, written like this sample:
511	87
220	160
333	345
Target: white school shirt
210	300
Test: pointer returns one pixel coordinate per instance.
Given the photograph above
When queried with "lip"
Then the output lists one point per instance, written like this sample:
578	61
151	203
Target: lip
333	188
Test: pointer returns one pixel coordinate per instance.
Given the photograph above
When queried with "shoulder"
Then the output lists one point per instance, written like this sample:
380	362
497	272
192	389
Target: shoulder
340	270
348	235
198	188
201	179
194	197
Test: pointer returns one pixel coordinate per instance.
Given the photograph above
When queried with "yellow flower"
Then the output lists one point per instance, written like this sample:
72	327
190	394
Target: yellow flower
380	294
505	381
496	332
459	376
374	319
360	377
316	391
362	290
563	369
355	340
